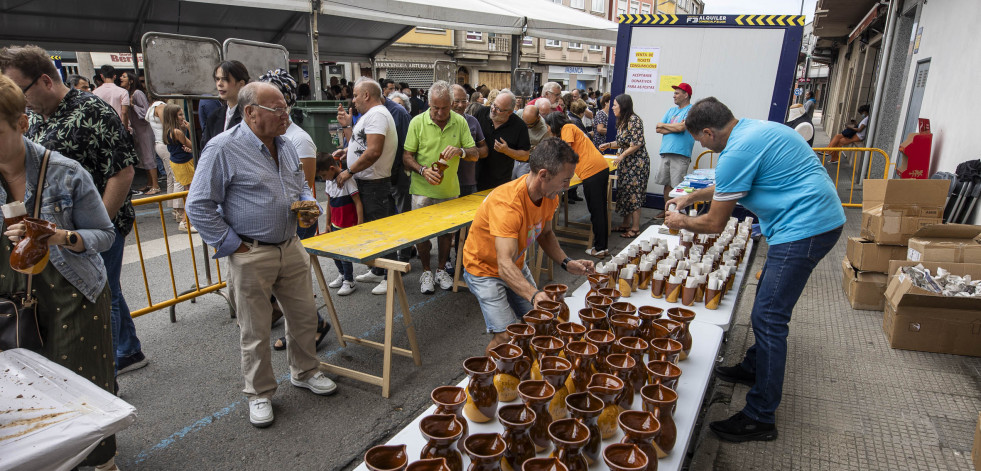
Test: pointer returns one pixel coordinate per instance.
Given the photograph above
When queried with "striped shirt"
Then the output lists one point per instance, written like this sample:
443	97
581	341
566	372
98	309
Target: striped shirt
239	190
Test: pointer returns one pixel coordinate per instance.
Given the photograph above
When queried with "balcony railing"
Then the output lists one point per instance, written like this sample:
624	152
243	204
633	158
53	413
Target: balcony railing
499	44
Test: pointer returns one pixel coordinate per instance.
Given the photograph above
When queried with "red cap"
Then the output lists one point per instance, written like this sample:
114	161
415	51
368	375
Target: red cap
683	87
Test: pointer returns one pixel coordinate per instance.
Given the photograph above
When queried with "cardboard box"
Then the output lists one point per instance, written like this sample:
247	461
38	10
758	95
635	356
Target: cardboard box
976	451
866	255
956	243
917	319
864	289
892	210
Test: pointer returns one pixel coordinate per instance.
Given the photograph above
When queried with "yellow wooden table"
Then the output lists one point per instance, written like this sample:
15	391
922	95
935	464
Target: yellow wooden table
365	243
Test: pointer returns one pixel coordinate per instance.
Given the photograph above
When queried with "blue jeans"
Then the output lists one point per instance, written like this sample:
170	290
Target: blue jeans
785	273
124	339
500	305
344	268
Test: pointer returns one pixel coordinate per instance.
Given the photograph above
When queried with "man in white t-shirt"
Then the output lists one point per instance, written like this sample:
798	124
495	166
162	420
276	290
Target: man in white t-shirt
370	155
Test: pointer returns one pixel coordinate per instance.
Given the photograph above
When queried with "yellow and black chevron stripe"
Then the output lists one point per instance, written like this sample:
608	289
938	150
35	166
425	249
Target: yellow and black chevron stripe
633	19
770	20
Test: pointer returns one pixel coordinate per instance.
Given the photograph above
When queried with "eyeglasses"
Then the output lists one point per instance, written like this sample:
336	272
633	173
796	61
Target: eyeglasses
24	90
278	111
498	109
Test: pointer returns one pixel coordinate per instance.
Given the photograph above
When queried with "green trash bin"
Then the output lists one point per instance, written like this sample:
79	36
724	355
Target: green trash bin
319	119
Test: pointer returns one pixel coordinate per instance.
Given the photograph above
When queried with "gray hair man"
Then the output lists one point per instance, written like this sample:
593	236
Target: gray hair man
370	156
249	178
508	136
552	92
514	215
436	142
467	172
537	130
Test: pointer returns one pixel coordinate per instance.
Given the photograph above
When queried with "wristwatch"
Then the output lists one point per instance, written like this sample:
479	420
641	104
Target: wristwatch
71	238
565	263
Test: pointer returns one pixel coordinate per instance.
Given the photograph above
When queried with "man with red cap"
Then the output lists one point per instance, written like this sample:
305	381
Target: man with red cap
677	142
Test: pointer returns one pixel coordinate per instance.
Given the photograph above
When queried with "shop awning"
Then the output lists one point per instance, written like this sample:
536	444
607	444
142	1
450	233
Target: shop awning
349	30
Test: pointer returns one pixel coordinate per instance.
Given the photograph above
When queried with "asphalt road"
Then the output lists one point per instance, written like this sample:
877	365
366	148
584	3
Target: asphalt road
191	413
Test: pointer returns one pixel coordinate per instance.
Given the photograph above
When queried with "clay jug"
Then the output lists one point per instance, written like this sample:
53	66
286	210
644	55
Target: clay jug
541	320
537	395
521	335
665	349
625	457
586	408
451	400
602	303
556	292
432	464
612	293
569	437
517	420
673	327
608	388
555	309
624	325
555	371
582	355
485	451
441	432
663	372
512	368
544	346
386	458
641	428
440	166
597	281
570	331
661	400
481	393
647	315
593	319
635	347
685	316
623	307
603	339
544	464
622	365
30	255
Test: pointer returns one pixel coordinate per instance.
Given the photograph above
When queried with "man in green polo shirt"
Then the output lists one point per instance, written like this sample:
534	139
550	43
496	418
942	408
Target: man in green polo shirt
439	135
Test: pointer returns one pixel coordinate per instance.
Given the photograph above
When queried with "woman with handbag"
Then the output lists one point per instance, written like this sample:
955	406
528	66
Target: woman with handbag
69	293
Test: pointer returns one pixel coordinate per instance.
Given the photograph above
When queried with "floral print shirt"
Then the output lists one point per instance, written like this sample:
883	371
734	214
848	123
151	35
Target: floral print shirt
87	129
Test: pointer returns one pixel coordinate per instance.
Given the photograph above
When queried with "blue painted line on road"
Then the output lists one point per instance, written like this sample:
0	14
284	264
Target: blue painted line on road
225	411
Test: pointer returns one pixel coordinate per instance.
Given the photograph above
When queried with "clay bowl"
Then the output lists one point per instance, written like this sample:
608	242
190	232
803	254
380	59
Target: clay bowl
624	457
387	458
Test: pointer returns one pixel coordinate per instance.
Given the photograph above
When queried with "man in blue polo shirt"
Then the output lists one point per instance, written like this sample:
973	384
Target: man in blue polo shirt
676	142
771	170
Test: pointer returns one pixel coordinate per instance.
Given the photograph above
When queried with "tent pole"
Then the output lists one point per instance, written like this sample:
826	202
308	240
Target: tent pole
313	35
136	60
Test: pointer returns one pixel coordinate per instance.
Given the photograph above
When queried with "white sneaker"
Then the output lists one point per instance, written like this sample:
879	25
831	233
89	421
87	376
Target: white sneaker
369	277
318	383
260	412
597	253
382	288
346	289
337	282
444	279
426	285
183	227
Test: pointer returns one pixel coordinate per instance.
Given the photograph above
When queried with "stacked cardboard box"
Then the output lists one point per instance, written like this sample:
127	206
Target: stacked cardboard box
892	212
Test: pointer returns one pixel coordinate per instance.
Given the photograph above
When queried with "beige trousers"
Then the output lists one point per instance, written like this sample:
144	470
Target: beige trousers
255	275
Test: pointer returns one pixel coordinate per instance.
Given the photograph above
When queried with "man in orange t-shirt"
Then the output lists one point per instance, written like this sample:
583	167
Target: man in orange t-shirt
594	172
514	216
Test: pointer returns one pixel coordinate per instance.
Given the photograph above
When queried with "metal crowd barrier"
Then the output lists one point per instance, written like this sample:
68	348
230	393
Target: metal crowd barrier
198	289
822	153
